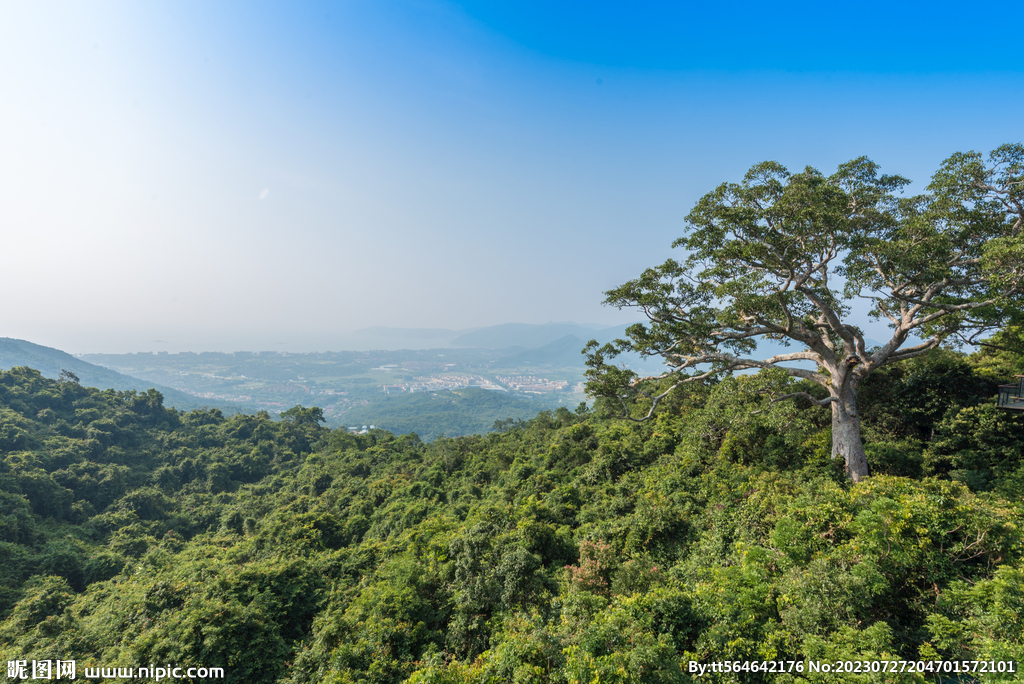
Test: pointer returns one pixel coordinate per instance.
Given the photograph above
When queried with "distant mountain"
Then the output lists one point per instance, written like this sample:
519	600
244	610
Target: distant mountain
605	335
567	352
562	353
523	335
381	337
50	362
505	336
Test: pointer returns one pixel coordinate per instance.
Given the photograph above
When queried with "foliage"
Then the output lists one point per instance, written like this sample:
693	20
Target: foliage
566	548
782	256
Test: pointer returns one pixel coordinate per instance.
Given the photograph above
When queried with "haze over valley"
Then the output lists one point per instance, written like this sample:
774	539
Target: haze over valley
477	377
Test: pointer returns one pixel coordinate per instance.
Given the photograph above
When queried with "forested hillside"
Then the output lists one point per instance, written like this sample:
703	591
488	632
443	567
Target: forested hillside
52	362
573	547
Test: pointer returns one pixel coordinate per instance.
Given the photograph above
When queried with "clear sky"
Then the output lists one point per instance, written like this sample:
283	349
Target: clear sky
196	175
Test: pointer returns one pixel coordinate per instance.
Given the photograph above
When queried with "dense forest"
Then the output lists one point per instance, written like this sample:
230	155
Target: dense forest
571	547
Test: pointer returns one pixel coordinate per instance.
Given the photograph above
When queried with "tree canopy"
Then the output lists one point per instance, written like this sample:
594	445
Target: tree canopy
785	256
566	548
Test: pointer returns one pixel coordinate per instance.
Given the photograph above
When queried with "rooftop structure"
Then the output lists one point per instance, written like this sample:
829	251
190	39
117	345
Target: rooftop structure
1012	396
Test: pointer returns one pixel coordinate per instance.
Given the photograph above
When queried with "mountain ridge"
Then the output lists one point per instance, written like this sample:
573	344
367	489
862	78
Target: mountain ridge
50	361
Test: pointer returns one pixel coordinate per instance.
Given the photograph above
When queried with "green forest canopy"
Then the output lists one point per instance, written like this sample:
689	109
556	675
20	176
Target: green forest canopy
573	547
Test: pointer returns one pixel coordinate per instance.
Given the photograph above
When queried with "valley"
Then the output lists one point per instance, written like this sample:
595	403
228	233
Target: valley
475	385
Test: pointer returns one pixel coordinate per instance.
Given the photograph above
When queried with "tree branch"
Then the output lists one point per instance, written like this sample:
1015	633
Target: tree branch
814	401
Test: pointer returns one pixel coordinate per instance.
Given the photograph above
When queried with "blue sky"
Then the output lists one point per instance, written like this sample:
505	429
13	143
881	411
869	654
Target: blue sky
228	175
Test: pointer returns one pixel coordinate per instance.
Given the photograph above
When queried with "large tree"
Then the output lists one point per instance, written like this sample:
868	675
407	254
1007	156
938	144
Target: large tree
785	256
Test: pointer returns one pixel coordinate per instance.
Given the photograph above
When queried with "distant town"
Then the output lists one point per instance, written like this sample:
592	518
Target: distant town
357	390
502	383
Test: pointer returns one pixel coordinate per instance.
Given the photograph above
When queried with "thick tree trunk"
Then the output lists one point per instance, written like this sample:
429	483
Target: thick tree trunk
846	442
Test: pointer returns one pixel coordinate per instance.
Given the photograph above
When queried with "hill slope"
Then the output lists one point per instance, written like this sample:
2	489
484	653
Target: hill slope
50	362
564	352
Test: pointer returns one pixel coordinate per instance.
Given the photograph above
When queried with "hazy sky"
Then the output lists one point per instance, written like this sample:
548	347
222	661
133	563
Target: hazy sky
247	175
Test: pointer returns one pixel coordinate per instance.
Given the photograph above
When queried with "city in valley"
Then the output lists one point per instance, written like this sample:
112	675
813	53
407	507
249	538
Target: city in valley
355	388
